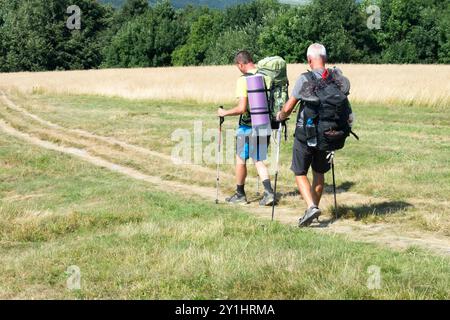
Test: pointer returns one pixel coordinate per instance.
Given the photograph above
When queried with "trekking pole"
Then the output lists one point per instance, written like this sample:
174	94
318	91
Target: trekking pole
279	131
257	185
334	186
221	121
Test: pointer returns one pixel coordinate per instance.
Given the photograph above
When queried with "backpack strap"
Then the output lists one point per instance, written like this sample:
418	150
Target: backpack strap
310	76
354	134
301	106
272	96
320	81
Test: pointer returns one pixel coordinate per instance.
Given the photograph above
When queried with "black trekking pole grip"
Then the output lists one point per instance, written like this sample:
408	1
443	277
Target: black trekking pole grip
221	119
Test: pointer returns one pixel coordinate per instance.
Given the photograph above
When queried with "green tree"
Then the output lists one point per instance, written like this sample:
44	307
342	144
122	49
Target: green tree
251	12
230	42
147	40
35	36
133	8
202	35
410	31
130	10
336	24
444	34
285	33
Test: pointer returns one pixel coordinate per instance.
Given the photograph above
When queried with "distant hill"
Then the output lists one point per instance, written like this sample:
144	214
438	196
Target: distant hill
218	4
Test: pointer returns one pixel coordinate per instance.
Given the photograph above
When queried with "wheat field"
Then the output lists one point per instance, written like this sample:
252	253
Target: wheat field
387	84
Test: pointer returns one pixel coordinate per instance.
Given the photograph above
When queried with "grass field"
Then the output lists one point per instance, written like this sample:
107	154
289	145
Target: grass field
386	164
87	180
132	241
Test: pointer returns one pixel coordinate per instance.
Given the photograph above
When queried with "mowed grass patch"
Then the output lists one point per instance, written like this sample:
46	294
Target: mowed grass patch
403	152
132	241
403	155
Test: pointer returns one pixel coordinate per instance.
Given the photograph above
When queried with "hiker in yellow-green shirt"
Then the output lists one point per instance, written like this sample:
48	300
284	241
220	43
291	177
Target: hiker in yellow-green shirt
249	145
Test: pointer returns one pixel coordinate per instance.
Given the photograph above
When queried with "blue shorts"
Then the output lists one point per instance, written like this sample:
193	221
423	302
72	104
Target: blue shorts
251	146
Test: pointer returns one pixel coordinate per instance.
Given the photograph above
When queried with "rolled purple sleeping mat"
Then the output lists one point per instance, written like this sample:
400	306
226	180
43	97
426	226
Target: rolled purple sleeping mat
257	99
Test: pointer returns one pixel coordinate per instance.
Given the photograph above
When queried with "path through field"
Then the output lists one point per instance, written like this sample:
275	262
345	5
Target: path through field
17	121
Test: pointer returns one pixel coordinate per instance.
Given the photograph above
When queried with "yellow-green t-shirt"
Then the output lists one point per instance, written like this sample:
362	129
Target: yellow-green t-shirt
241	85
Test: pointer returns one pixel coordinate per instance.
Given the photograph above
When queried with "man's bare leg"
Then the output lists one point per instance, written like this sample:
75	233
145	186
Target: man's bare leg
263	172
241	171
312	195
305	189
317	187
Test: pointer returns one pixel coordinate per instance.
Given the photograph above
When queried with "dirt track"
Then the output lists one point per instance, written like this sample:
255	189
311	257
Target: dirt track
102	151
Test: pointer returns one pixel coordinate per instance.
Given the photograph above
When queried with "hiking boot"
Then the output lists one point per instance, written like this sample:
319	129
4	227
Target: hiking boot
310	215
267	200
237	199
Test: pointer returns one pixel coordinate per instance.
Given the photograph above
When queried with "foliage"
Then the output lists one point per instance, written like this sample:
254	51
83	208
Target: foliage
184	3
224	49
34	36
147	40
203	32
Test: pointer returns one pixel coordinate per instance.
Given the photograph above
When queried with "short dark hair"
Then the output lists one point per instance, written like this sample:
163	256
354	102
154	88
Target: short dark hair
243	57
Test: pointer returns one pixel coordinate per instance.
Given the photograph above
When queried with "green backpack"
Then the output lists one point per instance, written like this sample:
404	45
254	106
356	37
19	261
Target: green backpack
275	69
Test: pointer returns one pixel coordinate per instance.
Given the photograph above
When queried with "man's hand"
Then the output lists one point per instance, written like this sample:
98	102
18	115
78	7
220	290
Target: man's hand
287	109
351	120
281	116
221	112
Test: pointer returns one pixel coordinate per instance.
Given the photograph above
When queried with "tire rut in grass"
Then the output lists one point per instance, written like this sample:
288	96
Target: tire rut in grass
109	148
93	137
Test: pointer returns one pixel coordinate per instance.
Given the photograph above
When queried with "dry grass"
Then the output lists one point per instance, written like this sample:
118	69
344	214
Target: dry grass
406	84
417	193
132	241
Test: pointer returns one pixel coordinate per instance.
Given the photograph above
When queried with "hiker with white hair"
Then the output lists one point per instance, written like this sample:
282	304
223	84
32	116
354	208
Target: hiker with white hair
323	123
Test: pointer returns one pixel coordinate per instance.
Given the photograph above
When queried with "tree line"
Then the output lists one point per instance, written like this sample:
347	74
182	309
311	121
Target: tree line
34	35
219	4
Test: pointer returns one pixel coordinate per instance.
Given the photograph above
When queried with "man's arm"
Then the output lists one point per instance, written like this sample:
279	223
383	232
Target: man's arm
241	108
287	109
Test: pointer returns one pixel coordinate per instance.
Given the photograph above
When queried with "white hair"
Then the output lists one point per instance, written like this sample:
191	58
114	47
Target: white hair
316	50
